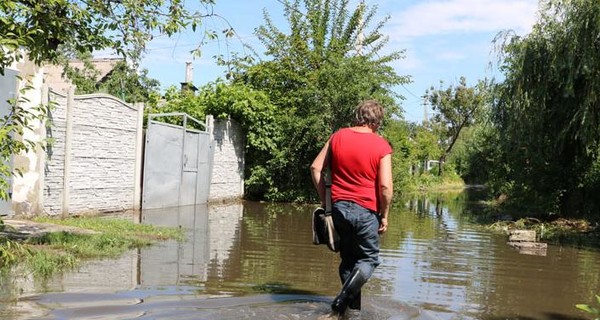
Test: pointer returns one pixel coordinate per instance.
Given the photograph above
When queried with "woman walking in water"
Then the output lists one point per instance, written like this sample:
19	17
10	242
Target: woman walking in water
361	171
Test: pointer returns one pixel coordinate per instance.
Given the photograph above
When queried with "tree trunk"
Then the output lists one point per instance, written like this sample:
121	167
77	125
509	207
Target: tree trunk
440	163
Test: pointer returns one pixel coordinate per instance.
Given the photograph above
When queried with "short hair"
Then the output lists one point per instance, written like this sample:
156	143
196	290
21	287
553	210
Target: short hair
369	112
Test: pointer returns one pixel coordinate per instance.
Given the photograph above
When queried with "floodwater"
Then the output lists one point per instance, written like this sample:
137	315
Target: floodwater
256	261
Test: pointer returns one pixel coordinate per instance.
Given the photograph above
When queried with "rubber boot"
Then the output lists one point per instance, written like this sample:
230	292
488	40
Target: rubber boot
355	303
350	290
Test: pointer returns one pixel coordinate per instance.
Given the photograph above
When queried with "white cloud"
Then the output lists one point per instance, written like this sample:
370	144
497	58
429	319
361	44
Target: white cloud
433	18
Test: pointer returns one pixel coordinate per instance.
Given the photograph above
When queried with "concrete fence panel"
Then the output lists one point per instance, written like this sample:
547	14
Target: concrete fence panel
92	155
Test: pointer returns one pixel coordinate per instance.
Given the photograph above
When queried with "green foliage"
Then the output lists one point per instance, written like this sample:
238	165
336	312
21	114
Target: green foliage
251	108
12	128
131	86
413	146
475	155
316	76
116	227
55	251
86	78
38	262
11	252
589	309
397	133
426	146
260	121
88	246
456	109
176	100
44	30
547	111
123	81
42	27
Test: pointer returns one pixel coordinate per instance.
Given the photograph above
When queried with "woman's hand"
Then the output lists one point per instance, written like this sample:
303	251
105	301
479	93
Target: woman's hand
383	224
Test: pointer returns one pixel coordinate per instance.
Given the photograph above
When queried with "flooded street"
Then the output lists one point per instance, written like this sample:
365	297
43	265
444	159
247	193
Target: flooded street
256	261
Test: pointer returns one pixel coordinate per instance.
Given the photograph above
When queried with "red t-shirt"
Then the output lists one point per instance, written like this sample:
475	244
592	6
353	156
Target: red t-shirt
355	158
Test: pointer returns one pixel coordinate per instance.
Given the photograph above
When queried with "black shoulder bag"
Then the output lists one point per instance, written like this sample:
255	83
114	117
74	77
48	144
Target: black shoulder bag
322	224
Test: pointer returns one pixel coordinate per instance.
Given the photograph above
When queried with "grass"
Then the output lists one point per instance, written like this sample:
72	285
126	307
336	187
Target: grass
572	232
58	251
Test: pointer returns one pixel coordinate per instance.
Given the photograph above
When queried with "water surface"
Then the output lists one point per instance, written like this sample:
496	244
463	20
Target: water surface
255	261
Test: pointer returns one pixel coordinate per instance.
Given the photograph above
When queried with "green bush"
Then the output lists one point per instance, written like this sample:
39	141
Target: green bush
589	309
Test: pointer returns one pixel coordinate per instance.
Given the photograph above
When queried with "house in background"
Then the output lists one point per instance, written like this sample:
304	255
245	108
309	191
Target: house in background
54	73
17	77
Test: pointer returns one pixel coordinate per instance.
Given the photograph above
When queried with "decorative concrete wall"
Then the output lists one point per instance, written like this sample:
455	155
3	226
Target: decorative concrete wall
95	146
93	155
227	180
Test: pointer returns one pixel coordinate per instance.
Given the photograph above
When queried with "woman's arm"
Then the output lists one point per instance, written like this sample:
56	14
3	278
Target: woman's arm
386	190
316	171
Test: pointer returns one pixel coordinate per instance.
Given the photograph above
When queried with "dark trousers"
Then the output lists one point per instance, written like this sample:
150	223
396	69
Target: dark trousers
359	240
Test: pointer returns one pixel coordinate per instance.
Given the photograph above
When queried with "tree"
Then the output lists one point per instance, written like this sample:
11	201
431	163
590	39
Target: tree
426	144
318	72
548	108
251	108
41	29
456	109
123	81
131	86
397	132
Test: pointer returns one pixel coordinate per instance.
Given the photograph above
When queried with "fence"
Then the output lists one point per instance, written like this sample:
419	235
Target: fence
93	155
93	158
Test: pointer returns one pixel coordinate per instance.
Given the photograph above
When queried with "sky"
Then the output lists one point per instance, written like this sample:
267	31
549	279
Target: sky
443	40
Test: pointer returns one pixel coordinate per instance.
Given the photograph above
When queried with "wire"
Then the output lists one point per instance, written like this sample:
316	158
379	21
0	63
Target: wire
410	92
193	44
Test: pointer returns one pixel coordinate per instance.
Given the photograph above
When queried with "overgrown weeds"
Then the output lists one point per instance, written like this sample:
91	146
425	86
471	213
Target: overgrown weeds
53	252
574	232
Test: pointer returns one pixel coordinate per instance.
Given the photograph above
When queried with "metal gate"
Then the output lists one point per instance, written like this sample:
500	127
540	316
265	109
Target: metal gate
177	163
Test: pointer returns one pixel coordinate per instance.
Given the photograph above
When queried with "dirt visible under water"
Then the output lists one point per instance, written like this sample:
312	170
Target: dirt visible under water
21	229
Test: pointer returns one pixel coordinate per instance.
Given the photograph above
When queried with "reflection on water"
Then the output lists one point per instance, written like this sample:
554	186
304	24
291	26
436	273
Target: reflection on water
256	261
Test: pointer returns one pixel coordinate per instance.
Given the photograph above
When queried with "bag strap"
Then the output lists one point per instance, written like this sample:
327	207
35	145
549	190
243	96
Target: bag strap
328	182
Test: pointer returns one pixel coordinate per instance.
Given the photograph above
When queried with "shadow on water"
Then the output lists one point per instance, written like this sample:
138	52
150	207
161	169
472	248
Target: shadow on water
253	260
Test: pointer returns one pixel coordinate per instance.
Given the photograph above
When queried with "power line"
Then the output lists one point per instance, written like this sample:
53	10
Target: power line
410	92
194	44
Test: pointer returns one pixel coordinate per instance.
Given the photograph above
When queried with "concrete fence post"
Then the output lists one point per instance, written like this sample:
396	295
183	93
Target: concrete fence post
210	129
210	126
139	158
42	158
68	147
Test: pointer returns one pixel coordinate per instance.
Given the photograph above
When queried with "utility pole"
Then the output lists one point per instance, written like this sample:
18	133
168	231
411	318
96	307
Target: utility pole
425	116
361	34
